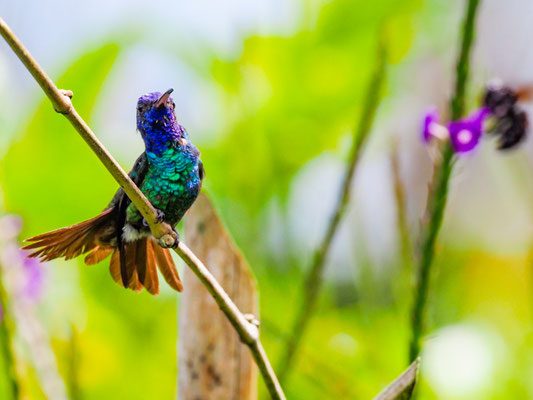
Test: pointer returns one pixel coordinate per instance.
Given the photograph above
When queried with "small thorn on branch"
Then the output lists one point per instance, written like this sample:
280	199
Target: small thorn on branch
252	319
66	92
65	106
253	334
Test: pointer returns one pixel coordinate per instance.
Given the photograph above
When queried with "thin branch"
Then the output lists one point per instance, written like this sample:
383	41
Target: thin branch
438	196
402	387
247	331
314	277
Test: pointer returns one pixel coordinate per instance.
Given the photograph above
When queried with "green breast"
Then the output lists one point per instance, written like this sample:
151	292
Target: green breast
171	184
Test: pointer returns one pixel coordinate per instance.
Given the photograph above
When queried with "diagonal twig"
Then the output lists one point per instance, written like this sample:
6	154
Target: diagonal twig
61	100
314	277
402	387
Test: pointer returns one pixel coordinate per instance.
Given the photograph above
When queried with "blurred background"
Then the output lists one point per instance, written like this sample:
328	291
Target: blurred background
270	92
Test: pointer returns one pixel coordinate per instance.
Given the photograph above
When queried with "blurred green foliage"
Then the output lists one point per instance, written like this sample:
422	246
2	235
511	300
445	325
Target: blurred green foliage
285	101
288	99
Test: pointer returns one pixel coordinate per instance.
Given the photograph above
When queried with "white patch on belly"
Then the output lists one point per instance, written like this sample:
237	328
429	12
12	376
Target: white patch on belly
129	233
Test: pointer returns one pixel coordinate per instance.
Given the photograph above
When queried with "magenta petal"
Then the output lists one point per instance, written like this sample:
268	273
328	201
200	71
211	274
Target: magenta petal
431	116
34	276
465	133
462	137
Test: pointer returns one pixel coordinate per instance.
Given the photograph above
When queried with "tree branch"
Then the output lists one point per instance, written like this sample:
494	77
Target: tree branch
61	101
314	277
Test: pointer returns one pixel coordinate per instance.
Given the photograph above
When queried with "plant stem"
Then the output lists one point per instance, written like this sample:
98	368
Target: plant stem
400	197
402	387
6	340
437	197
247	331
314	280
73	365
436	206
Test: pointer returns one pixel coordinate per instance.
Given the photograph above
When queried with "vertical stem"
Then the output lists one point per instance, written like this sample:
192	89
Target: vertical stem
73	365
401	212
314	278
437	197
6	342
436	206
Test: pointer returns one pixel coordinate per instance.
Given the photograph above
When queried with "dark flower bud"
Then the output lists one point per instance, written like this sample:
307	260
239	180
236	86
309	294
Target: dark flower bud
499	100
511	129
511	122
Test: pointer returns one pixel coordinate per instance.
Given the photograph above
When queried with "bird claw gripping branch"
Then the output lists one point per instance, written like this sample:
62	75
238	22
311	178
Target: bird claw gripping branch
168	241
169	173
160	216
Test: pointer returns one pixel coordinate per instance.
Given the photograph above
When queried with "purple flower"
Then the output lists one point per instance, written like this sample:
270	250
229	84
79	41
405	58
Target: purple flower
430	119
431	127
34	276
28	274
465	133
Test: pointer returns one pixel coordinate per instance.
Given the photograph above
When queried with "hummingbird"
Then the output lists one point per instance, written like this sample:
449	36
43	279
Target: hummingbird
169	173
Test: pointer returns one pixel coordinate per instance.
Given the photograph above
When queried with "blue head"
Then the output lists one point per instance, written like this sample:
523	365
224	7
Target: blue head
156	121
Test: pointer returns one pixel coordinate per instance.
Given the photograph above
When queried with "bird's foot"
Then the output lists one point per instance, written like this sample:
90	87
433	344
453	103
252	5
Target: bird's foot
177	241
160	216
169	241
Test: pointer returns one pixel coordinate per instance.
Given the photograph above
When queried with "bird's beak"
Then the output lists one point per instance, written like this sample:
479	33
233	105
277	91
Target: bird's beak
163	99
